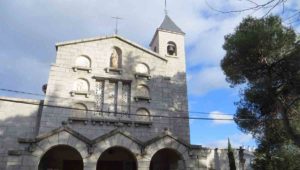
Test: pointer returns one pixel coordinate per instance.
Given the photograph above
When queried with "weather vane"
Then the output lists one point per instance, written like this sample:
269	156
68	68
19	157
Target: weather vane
117	20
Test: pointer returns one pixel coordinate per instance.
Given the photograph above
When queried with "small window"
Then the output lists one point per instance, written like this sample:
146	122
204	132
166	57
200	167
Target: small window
80	110
142	68
143	91
171	48
81	85
155	50
143	114
83	61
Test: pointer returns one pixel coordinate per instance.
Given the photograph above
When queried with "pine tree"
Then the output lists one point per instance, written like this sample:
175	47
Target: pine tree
230	156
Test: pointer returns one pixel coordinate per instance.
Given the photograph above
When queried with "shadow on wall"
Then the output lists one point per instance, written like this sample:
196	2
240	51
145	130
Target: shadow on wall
167	98
17	120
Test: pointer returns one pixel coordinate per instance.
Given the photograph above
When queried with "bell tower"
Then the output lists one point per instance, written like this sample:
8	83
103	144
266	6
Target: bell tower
168	41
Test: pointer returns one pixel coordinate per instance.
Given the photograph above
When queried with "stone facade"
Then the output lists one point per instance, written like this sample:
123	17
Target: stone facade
108	92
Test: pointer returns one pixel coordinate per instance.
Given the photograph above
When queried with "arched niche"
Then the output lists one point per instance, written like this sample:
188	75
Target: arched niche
61	157
167	159
115	61
83	61
117	158
172	48
81	85
80	110
142	68
143	91
143	114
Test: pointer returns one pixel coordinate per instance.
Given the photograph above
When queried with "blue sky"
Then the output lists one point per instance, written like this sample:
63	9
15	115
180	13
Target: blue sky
29	29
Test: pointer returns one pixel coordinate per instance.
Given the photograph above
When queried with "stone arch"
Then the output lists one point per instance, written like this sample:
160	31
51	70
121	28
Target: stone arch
143	114
81	85
167	159
116	140
83	61
117	158
166	142
172	48
61	138
61	157
143	91
115	58
82	110
142	68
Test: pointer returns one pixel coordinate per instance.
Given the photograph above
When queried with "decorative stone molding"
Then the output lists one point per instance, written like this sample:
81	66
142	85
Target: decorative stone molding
78	119
111	122
87	94
76	68
113	70
171	56
92	149
142	75
142	98
112	79
14	152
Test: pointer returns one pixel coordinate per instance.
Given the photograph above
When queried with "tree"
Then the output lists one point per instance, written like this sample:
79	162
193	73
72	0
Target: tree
263	56
290	14
230	155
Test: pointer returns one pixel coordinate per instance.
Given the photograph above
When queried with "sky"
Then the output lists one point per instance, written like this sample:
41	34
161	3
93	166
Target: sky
29	30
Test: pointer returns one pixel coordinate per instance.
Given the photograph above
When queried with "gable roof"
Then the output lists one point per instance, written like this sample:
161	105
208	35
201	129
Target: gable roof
110	37
169	25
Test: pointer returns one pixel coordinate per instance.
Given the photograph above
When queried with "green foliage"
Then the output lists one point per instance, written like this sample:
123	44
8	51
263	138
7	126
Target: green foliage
231	157
285	157
264	56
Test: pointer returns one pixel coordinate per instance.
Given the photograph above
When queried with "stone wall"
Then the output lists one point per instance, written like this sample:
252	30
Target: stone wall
167	94
17	119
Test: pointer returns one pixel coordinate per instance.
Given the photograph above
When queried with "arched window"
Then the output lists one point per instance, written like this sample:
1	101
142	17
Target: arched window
83	61
142	68
143	114
116	58
81	85
143	91
172	48
80	110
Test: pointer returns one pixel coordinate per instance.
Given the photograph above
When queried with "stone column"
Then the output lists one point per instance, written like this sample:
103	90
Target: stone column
119	98
105	98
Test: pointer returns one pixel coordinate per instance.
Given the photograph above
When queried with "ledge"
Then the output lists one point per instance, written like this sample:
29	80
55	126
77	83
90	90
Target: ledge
78	119
111	78
142	98
76	68
113	70
141	75
108	122
14	152
85	93
172	56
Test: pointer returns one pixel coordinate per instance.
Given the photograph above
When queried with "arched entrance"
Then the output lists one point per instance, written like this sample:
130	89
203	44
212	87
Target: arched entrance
167	159
61	157
117	158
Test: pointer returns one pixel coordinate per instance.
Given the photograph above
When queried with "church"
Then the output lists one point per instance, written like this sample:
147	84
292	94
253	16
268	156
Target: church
110	104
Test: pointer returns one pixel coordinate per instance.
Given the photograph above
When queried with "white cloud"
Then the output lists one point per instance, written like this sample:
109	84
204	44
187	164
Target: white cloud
220	118
210	78
236	141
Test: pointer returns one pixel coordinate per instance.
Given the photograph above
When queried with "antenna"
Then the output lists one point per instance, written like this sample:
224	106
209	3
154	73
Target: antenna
117	20
166	11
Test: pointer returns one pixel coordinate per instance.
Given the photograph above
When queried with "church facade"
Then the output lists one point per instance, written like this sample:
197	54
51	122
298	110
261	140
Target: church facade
110	104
